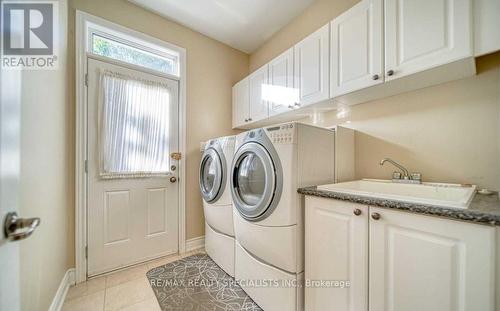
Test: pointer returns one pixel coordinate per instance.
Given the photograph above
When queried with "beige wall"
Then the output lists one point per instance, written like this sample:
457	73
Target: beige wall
46	182
318	14
212	69
449	132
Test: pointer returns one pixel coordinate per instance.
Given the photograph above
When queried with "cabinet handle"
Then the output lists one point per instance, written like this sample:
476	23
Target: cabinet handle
297	104
290	106
375	216
390	72
246	120
357	212
249	119
375	77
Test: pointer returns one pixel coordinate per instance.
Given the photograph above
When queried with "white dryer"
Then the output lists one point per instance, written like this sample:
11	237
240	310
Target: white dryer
268	166
217	201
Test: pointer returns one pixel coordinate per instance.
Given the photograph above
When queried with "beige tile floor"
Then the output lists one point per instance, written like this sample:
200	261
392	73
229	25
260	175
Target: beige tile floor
126	289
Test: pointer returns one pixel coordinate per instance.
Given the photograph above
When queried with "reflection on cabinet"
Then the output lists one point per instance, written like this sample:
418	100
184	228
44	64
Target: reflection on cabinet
339	231
357	48
280	93
407	262
241	111
424	34
258	105
311	70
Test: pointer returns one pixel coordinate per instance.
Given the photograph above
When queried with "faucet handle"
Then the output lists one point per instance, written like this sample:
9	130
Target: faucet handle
396	175
416	176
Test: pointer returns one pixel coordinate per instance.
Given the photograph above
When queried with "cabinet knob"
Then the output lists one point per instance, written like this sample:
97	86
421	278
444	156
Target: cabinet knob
290	106
390	72
357	212
375	216
249	119
297	104
375	77
246	120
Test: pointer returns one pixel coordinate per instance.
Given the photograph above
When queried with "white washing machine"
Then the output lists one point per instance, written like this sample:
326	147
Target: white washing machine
268	166
217	201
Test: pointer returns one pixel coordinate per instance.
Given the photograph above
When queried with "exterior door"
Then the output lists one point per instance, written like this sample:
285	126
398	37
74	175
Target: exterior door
280	92
312	69
422	34
10	123
258	105
357	48
336	236
419	263
130	220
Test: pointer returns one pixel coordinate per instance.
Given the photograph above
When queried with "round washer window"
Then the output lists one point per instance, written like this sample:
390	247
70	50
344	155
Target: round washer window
209	173
251	177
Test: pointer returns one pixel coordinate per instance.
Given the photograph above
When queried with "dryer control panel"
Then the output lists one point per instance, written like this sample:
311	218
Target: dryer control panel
282	134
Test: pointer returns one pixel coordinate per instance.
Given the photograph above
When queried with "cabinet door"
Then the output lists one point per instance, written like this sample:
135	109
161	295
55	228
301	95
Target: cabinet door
240	103
423	263
311	70
422	34
280	93
336	249
258	105
357	48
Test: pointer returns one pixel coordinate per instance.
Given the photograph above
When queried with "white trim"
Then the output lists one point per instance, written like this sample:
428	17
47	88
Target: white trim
67	280
195	243
82	21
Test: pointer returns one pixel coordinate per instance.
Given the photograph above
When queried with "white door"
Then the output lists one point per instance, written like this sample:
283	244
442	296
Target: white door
10	123
240	103
280	92
357	48
422	34
312	69
423	263
130	220
257	105
336	249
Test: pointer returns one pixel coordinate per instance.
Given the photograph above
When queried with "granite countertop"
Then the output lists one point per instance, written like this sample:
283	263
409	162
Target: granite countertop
484	209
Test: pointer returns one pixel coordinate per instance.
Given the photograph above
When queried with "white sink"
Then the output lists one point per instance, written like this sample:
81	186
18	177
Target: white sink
446	195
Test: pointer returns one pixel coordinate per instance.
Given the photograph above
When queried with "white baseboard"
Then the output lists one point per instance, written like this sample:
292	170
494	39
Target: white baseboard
67	280
195	243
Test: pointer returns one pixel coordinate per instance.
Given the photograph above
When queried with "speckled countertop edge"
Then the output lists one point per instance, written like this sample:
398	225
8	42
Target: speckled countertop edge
478	212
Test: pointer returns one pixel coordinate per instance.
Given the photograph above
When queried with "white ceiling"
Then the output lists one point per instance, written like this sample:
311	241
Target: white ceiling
242	24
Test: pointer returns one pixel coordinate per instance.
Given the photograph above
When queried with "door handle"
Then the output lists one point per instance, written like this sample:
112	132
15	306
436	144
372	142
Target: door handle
13	224
173	179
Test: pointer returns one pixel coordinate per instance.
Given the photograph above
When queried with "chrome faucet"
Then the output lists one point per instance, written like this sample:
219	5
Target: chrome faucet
414	178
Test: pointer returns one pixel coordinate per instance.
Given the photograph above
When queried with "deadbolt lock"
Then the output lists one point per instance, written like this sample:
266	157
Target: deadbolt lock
176	155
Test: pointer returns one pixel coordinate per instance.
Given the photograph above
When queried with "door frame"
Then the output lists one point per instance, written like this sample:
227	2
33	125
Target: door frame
83	21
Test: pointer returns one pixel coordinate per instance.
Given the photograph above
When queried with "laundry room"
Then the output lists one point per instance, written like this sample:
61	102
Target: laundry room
276	155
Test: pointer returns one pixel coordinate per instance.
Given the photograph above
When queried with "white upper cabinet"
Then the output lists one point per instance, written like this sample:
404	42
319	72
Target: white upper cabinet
241	107
422	34
258	106
486	26
280	92
357	48
311	70
419	263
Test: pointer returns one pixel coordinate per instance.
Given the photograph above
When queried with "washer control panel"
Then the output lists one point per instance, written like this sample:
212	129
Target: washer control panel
282	134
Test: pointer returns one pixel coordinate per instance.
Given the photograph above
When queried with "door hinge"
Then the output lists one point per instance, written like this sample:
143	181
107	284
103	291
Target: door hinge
86	164
86	252
86	79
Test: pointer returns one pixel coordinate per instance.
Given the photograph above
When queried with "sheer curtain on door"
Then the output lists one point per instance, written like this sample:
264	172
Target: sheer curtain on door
133	127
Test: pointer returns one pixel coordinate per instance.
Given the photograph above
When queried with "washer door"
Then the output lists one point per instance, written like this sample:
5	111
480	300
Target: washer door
253	181
212	175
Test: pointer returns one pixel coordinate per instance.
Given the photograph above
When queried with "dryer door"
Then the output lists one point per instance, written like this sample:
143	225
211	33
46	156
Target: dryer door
212	175
254	183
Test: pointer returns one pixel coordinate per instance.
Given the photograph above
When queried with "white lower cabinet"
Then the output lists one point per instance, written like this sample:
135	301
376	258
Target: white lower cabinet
406	262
